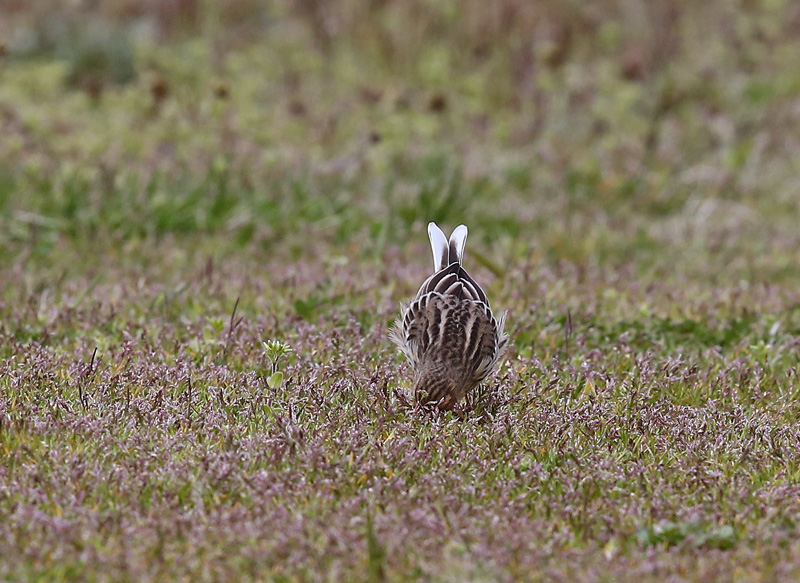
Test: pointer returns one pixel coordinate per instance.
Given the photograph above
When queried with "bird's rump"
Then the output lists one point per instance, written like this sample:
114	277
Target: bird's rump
455	281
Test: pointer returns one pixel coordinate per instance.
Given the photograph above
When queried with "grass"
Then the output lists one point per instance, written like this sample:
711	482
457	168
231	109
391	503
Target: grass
181	184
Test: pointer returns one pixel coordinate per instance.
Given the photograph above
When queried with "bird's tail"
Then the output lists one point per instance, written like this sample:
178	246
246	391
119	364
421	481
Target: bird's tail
446	253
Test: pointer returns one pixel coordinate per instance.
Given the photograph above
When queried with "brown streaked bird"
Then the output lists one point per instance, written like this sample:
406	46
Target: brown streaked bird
448	332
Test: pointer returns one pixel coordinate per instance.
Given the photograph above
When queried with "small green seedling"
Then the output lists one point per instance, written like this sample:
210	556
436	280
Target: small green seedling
275	349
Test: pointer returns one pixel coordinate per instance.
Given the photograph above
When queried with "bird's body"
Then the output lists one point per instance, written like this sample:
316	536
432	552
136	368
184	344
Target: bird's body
448	332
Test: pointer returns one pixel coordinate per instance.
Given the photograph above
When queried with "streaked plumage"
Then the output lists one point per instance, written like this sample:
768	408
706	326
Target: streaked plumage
448	332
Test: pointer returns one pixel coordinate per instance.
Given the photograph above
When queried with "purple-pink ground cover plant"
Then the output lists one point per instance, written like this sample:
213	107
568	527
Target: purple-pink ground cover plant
165	454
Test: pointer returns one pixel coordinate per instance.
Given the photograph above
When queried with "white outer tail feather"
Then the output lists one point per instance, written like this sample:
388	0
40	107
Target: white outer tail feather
438	246
458	241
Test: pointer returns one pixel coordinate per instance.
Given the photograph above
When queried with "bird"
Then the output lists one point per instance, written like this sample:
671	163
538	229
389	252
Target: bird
448	332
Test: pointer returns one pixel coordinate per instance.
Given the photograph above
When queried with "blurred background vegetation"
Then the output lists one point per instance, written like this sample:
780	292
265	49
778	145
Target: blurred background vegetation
658	135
